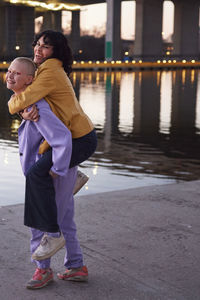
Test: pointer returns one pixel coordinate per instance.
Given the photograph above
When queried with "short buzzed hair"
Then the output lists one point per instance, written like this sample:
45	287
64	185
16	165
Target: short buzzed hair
31	67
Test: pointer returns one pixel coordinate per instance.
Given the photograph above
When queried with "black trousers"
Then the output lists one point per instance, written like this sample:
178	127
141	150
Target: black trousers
40	206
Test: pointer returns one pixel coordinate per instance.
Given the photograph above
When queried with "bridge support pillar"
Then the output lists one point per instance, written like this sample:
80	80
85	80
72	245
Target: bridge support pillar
148	31
52	20
186	29
16	31
25	30
75	32
113	30
7	31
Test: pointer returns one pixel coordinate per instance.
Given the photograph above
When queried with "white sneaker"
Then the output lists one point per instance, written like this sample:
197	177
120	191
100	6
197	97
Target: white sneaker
80	181
48	247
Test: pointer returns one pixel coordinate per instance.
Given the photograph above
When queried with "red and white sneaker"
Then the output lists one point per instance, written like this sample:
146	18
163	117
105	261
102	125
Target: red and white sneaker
41	278
75	274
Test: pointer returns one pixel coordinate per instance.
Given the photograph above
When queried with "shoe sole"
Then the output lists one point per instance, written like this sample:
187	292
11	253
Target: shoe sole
41	286
77	278
35	257
82	183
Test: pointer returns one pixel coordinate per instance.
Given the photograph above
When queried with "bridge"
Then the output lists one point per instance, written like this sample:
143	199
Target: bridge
17	26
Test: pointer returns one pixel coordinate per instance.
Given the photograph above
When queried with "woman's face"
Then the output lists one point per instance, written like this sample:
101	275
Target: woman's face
42	51
17	77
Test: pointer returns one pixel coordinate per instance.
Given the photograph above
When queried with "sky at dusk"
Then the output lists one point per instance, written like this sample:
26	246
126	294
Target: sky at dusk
93	19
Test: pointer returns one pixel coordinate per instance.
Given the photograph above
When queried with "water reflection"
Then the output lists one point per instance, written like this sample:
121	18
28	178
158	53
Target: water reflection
165	102
184	99
148	125
148	120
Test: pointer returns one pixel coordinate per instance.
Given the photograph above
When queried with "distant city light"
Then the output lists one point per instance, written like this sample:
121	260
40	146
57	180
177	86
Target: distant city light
118	62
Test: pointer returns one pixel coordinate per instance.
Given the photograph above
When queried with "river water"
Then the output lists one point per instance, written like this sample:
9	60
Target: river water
148	126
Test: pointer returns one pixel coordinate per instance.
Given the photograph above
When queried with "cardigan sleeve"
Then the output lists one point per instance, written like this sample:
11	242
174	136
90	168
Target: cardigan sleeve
42	85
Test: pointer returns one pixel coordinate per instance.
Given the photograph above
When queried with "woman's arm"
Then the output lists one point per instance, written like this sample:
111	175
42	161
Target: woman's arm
42	85
30	114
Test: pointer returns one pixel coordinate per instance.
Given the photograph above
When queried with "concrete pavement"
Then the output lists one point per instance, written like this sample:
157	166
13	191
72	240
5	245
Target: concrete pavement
138	244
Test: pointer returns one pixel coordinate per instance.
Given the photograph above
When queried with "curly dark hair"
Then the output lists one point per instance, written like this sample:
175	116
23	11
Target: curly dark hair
61	48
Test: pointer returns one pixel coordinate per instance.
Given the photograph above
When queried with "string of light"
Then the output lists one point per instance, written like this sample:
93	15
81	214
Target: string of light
49	6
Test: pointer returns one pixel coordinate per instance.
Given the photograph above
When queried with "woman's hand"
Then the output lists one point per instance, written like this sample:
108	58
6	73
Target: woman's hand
32	115
53	175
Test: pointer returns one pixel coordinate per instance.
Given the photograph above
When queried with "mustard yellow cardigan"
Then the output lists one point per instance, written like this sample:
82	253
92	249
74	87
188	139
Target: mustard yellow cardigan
52	84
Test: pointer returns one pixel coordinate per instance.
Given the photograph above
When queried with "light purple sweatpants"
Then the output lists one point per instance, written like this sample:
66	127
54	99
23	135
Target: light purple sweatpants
65	216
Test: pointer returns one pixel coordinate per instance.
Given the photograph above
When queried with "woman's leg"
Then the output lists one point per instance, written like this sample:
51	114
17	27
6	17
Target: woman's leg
83	148
65	209
35	242
40	206
43	274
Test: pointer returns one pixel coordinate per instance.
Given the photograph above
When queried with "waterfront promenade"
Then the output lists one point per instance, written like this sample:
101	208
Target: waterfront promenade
138	244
